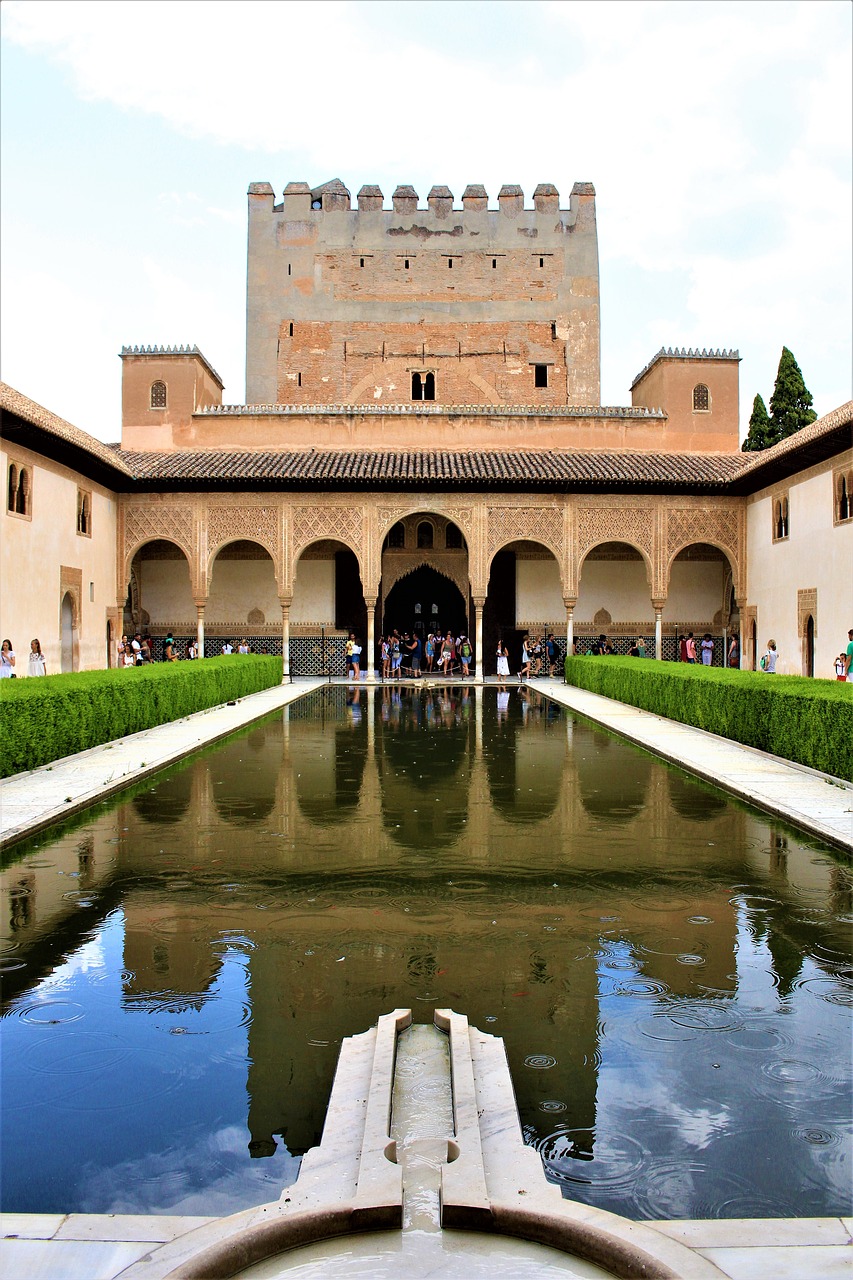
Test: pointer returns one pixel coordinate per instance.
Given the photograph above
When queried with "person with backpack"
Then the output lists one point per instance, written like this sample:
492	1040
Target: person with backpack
770	658
465	654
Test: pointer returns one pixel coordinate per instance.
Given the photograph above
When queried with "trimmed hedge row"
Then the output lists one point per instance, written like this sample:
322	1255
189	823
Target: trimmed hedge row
55	716
807	720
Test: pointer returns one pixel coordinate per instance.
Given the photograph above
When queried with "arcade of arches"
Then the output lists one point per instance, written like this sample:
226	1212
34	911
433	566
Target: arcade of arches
295	578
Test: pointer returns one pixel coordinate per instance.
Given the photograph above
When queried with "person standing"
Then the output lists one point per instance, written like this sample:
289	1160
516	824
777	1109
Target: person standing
7	661
524	673
36	665
503	662
848	670
768	662
356	659
551	651
170	655
707	648
690	646
464	654
227	648
136	647
734	652
641	647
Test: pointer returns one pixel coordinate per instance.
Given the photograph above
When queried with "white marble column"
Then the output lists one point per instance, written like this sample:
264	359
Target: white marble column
368	665
199	611
285	602
570	602
658	631
479	669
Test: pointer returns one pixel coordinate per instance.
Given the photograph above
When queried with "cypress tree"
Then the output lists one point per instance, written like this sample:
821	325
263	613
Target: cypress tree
758	436
791	402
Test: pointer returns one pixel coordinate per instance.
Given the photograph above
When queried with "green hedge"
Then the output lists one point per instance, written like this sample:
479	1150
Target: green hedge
810	721
50	717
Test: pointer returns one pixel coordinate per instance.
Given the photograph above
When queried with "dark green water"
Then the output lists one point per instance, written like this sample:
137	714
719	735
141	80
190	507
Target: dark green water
670	971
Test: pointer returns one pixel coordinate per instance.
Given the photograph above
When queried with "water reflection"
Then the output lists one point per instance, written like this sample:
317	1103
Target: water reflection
669	971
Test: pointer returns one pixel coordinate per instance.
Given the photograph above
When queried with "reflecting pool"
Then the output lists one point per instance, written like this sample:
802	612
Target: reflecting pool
670	970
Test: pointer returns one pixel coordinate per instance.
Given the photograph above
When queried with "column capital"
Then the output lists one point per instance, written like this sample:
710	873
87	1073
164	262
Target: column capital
200	603
370	601
658	604
570	601
479	602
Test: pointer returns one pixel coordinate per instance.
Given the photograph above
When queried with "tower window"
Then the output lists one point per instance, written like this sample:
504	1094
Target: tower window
845	497
494	264
291	329
701	398
361	262
406	264
299	379
423	386
450	264
158	395
542	262
540	375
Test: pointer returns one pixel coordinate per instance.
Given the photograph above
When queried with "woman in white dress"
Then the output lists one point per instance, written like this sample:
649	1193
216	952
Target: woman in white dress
7	661
503	663
36	665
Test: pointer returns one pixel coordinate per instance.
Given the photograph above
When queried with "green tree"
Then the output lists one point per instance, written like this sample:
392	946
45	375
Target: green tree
758	436
790	408
791	402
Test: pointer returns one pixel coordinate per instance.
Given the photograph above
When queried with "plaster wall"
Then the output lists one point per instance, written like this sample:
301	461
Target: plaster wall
237	587
669	384
43	555
538	593
619	586
314	593
190	385
817	556
165	593
696	591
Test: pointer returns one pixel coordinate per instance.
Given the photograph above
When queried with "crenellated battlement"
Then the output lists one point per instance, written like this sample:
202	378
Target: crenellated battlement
685	353
301	200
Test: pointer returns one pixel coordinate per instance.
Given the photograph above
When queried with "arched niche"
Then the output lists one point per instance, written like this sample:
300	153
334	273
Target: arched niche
69	636
327	589
698	588
160	595
242	583
524	594
614	579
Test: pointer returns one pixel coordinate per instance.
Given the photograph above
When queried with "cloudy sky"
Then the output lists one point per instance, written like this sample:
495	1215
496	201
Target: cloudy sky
717	135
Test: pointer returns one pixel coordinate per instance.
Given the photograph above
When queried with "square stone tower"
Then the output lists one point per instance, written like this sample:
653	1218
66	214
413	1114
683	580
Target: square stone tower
376	305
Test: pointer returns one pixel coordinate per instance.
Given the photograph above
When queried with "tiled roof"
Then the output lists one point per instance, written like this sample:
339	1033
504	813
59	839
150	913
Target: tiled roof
807	447
12	401
823	426
517	469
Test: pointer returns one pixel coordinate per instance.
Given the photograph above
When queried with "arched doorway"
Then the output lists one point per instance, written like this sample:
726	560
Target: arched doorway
67	633
808	647
425	600
425	584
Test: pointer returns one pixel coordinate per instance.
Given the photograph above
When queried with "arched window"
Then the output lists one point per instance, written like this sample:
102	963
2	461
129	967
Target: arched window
845	497
423	386
158	395
417	387
84	513
780	519
396	536
429	387
19	491
701	398
425	535
453	537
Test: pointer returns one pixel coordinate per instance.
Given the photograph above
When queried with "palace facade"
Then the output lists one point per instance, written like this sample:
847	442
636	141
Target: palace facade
423	444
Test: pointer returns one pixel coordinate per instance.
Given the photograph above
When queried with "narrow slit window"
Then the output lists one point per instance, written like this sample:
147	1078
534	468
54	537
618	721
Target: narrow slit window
289	269
844	501
450	264
542	262
291	329
299	379
540	375
361	262
13	487
406	264
494	264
